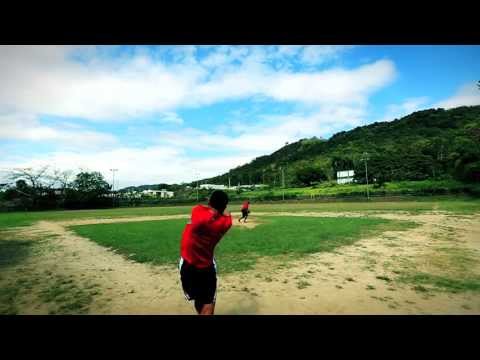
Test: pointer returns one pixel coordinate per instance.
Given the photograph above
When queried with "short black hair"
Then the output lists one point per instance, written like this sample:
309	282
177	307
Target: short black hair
218	200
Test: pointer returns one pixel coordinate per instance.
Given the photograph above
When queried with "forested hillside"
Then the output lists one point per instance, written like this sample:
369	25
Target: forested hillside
429	144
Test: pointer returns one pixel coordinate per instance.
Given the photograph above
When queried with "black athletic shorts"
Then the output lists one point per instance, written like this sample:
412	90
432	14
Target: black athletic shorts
198	284
245	212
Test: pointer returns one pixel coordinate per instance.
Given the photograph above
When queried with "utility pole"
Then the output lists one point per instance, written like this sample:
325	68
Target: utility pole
263	177
283	184
113	185
113	179
365	158
229	181
197	174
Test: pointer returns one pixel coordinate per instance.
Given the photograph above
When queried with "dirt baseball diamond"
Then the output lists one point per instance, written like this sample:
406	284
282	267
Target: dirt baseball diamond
355	279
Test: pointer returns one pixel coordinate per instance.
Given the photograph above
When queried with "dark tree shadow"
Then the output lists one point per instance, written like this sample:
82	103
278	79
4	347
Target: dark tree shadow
12	252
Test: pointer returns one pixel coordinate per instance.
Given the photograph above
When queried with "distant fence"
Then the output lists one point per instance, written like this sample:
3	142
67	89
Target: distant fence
157	202
355	197
375	195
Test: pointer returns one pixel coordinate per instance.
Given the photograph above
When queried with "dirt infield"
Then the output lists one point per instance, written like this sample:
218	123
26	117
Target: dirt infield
356	279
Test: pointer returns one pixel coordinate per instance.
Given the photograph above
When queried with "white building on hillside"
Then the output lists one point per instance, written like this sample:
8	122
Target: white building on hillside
158	193
213	187
345	177
224	187
259	186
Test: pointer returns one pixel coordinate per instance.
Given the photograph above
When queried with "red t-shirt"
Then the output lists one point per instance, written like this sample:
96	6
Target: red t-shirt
202	233
245	205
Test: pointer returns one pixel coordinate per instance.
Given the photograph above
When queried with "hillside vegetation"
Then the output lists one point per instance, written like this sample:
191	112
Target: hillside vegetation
433	144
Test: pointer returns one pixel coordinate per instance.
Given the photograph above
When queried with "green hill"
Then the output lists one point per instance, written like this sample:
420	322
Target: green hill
430	144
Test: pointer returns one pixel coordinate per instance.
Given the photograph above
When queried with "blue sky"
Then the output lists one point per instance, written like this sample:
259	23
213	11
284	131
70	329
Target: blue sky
174	113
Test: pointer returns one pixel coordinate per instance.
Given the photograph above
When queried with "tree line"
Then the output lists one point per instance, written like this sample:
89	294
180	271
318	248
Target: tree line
430	144
46	188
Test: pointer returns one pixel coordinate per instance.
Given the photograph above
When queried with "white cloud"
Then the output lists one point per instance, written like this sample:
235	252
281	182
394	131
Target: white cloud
180	155
467	95
27	127
158	164
42	80
170	117
268	135
310	55
395	111
45	80
318	54
324	87
288	50
224	55
332	86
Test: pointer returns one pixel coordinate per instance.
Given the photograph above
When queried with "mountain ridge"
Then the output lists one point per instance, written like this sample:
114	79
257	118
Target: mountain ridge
431	143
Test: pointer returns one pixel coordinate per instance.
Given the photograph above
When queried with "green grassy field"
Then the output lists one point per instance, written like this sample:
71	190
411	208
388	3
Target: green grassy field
331	188
11	219
158	242
463	205
276	240
458	204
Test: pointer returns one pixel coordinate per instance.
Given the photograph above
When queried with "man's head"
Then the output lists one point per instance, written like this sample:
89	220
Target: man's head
218	200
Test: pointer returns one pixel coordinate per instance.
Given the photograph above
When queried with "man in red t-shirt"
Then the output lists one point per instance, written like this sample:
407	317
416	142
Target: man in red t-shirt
245	211
198	270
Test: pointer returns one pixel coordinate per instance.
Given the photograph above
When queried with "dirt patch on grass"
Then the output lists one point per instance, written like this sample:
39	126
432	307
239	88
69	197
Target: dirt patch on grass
123	286
368	277
120	220
363	278
250	224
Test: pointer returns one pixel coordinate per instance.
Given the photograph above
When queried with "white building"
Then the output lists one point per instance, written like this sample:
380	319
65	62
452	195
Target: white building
213	187
161	193
345	177
166	194
133	194
259	186
224	187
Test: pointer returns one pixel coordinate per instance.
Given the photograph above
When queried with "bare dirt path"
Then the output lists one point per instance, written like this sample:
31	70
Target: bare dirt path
355	279
358	279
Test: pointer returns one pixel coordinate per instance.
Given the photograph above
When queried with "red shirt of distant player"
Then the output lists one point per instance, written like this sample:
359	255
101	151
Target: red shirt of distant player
245	205
202	234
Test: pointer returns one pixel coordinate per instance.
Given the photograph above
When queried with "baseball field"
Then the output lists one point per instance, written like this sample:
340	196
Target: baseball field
418	256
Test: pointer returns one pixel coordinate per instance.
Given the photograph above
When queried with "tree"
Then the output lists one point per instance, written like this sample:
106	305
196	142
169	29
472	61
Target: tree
37	178
62	178
471	171
21	185
306	174
341	163
31	183
91	182
88	190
